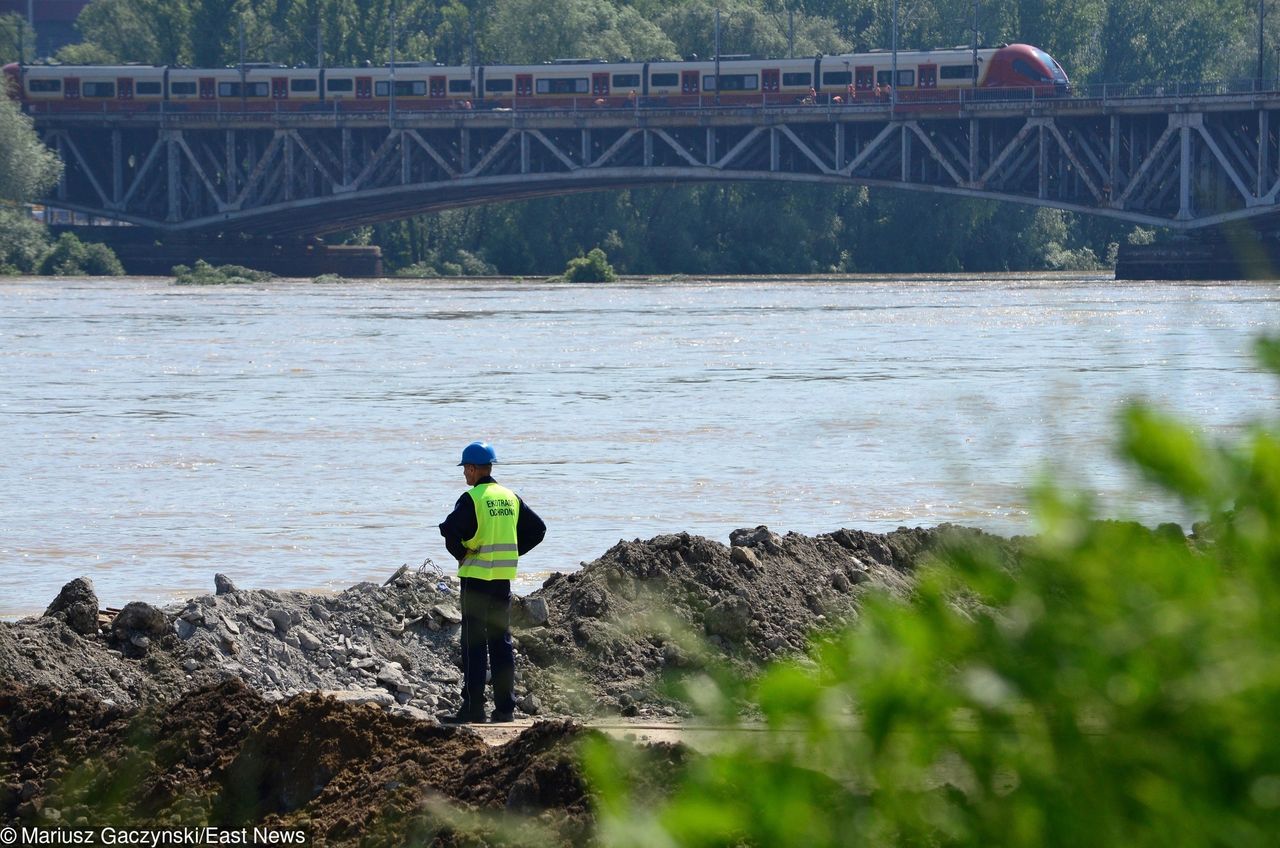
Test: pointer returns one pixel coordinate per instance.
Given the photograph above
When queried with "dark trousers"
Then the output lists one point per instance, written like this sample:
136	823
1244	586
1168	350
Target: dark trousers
486	635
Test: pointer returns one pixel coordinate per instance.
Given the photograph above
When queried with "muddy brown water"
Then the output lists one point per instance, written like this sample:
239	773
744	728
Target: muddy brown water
296	435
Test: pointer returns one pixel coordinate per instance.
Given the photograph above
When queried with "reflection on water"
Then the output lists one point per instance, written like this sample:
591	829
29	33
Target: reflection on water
294	435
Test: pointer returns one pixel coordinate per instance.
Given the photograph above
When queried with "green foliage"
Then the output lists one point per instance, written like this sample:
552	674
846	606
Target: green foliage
463	264
25	249
540	30
72	257
27	168
1149	40
23	242
1141	235
592	268
17	41
204	274
1111	686
760	29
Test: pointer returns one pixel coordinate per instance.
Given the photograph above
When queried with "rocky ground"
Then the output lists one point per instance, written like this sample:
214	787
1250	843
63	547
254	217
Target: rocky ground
291	708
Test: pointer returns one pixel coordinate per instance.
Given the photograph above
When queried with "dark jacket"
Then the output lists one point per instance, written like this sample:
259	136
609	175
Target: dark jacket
461	524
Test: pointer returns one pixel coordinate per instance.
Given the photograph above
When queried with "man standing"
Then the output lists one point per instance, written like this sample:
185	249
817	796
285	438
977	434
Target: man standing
487	532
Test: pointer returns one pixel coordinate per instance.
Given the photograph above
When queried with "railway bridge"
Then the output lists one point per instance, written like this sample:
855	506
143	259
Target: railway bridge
1187	161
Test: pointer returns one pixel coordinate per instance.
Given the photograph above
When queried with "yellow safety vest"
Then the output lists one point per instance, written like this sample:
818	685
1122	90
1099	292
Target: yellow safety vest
492	552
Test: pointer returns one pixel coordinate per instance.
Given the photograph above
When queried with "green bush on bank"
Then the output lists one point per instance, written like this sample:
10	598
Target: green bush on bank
25	248
204	274
1114	687
24	242
463	263
72	257
592	268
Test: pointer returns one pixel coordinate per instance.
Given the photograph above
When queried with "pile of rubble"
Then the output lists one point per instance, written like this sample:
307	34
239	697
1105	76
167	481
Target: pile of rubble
295	709
604	639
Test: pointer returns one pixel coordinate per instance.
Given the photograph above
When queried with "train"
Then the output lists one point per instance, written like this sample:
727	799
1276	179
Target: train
922	76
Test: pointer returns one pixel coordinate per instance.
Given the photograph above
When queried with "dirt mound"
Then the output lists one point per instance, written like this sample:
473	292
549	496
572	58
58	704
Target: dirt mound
343	773
617	630
605	639
394	645
301	711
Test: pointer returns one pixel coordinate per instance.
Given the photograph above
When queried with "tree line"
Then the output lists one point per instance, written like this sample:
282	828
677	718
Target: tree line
702	228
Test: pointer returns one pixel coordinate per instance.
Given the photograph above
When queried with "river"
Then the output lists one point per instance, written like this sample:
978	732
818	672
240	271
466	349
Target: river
301	435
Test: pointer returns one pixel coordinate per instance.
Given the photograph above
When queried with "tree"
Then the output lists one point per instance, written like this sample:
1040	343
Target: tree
17	41
27	168
520	31
24	242
747	27
1152	41
122	32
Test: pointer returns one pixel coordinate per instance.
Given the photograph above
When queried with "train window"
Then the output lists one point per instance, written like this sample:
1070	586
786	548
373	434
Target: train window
404	88
836	78
302	85
906	79
955	72
459	86
664	80
1026	69
38	86
884	77
626	80
574	85
151	88
499	85
251	89
732	82
339	84
802	80
98	89
182	88
1052	64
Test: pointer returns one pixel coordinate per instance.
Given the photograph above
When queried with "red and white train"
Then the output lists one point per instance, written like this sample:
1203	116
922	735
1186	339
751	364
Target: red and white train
922	76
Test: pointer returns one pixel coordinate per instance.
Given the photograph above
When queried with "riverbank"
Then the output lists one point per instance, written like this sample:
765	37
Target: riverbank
298	710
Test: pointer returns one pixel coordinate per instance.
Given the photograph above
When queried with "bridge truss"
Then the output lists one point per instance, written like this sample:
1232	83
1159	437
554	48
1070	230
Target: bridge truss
1184	163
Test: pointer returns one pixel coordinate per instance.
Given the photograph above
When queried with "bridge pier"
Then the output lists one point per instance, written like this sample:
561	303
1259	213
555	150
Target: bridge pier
1233	252
147	253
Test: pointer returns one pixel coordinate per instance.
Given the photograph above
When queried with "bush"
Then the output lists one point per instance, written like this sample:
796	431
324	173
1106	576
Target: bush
72	257
204	274
592	268
1114	686
24	242
463	264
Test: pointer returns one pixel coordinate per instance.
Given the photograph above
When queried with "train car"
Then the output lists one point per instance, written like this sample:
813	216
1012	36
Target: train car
259	88
922	76
417	87
940	75
742	81
565	83
91	88
1022	66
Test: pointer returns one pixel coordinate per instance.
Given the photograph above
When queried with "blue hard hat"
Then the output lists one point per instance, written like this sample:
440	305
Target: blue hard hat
479	453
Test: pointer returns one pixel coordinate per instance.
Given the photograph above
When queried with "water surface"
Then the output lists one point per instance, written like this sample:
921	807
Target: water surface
300	435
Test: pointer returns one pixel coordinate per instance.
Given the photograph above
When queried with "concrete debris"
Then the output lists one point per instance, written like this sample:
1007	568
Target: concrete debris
137	623
585	639
77	605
